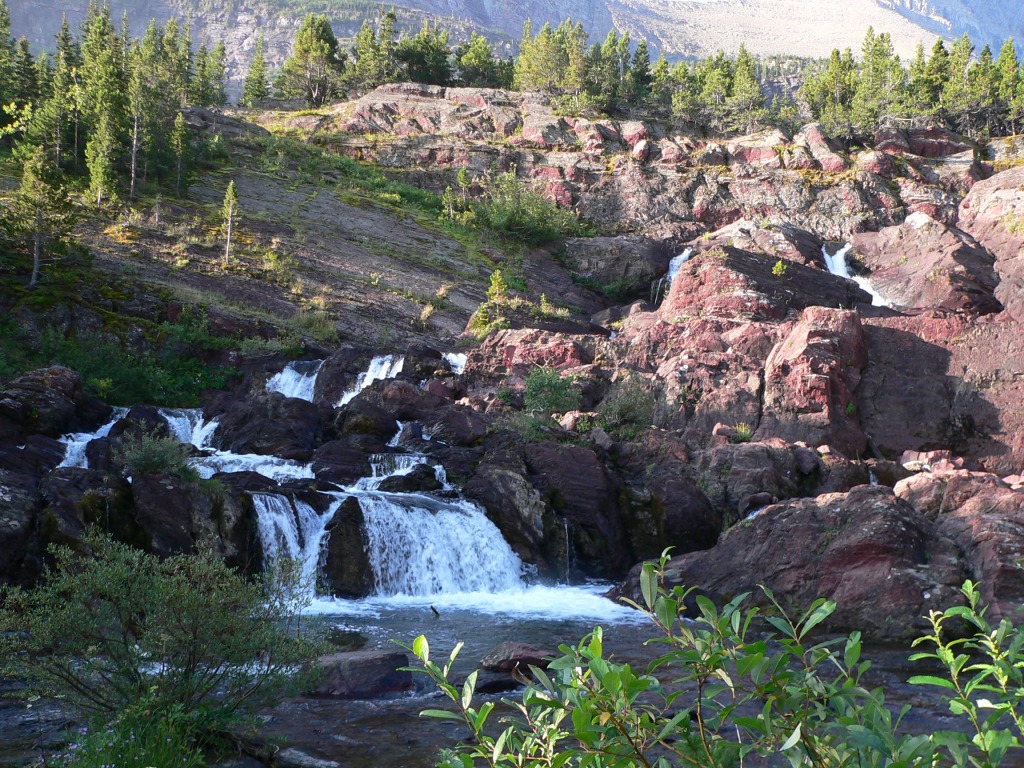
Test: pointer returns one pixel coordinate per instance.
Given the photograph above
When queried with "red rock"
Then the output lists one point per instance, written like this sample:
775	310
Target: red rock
764	149
642	150
633	132
821	148
809	382
936	141
875	162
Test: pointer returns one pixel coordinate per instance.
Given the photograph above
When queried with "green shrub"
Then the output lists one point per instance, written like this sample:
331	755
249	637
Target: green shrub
724	691
315	323
629	408
146	452
742	433
547	392
119	630
512	207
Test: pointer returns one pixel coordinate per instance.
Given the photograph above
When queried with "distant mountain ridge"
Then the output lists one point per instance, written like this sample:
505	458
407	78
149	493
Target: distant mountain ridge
677	27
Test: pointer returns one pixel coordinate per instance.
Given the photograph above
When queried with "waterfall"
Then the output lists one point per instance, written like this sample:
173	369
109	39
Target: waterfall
674	265
74	454
289	528
189	425
277	469
380	368
297	379
421	546
457	361
837	266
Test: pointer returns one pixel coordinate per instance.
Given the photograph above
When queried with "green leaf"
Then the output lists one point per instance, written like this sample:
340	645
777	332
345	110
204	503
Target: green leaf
467	689
440	714
931	680
649	584
499	744
421	648
794	737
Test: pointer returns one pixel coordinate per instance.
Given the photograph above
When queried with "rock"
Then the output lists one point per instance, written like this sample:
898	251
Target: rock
296	758
73	498
421	478
810	379
993	213
778	240
513	657
270	424
867	550
521	351
369	674
764	148
626	264
924	263
642	151
820	147
36	456
213	122
936	141
727	282
347	572
18	510
46	402
340	461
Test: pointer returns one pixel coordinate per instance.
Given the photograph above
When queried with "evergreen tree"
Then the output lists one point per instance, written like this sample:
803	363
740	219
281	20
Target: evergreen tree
230	210
982	87
1009	86
882	84
746	101
830	93
201	88
476	63
936	75
662	83
182	149
641	79
99	159
8	75
956	92
255	88
26	84
714	84
219	74
425	56
313	71
41	208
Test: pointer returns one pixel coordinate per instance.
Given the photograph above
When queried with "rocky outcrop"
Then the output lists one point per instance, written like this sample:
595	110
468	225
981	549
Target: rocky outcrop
48	402
809	381
626	265
993	213
367	674
270	424
868	550
923	263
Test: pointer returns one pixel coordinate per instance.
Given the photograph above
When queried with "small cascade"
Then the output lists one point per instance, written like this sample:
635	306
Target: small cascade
76	442
418	545
380	368
289	528
457	361
297	379
277	469
190	426
837	266
385	465
674	265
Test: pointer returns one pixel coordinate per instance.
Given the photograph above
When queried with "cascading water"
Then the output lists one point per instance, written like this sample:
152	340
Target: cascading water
380	368
674	265
190	426
292	528
457	361
74	455
297	379
418	545
837	266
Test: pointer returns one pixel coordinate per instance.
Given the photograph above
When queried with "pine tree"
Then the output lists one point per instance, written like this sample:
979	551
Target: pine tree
255	87
182	149
476	65
425	56
746	100
201	89
313	71
1009	86
8	76
26	84
881	88
42	210
99	159
830	93
219	75
956	93
230	210
641	79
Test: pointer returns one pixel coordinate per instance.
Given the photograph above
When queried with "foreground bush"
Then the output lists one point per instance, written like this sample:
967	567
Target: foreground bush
186	640
723	693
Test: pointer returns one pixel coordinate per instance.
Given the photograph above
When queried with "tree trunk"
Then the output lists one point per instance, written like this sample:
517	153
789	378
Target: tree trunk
135	157
37	254
227	244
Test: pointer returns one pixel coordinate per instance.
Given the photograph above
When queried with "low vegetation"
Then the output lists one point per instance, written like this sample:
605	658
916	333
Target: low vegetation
725	691
160	656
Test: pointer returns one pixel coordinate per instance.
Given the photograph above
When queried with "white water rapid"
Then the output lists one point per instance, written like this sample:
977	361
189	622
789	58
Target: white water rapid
293	529
837	266
74	455
380	368
297	379
457	361
674	265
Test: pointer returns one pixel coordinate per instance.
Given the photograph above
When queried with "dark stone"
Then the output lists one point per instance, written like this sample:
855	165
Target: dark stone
364	675
346	571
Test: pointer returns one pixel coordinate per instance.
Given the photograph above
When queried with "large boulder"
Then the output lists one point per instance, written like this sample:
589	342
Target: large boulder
270	424
867	550
18	510
809	381
346	571
369	674
993	213
626	264
924	263
50	402
727	282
